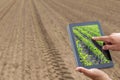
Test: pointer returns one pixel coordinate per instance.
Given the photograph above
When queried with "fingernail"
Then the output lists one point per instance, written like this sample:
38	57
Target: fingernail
93	37
103	47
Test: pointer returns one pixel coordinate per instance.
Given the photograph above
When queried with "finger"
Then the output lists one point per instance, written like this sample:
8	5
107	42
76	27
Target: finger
102	38
91	73
114	33
83	70
108	43
78	69
109	47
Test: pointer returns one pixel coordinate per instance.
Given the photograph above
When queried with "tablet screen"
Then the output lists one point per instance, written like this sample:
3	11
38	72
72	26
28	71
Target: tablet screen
90	52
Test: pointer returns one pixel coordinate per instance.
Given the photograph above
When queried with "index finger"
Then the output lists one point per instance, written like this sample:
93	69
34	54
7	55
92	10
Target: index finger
101	38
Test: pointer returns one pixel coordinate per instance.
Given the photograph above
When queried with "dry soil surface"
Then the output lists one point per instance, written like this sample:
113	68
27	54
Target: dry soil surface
34	43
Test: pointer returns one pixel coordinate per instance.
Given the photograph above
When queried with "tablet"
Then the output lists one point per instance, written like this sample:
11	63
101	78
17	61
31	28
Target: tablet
89	53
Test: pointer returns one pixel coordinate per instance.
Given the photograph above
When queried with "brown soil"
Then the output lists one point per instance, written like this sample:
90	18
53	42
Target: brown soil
34	43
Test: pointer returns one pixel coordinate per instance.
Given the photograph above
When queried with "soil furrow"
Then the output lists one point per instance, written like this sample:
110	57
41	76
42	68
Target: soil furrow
7	9
52	53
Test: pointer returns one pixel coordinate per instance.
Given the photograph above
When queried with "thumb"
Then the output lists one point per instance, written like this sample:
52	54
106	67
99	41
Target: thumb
88	72
109	47
83	70
94	74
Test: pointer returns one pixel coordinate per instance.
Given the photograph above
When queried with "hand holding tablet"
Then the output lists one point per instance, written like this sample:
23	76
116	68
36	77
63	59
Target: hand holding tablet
88	52
112	42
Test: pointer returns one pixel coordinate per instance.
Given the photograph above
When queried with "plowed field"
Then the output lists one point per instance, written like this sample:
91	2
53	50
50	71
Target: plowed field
34	43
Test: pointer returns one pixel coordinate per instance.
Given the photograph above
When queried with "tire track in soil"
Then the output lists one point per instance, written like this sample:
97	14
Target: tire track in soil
7	9
61	31
51	55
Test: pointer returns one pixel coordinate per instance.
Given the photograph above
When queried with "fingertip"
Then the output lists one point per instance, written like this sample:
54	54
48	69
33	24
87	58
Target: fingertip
76	69
104	48
82	69
107	47
111	47
79	69
93	38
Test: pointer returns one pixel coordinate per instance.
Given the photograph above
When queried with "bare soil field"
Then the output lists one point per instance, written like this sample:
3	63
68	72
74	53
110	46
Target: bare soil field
34	43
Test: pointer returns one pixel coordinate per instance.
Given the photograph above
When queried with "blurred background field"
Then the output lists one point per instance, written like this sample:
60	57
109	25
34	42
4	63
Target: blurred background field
34	43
